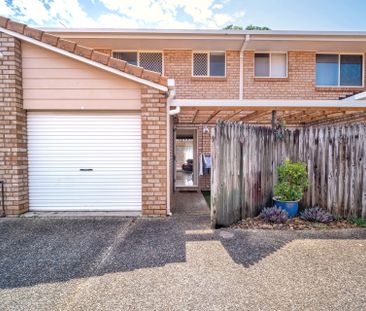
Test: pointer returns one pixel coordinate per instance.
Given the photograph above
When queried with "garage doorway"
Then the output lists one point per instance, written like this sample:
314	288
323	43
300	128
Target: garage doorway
185	166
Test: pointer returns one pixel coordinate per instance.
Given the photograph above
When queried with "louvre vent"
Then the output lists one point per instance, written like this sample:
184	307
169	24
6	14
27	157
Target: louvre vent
200	64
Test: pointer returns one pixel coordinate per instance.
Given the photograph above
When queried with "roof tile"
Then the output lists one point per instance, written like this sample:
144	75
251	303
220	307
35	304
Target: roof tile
83	51
134	70
3	21
66	45
33	33
15	26
100	57
49	39
117	63
151	75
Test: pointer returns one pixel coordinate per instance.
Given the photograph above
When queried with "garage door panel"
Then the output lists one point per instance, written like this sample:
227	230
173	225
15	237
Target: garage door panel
60	144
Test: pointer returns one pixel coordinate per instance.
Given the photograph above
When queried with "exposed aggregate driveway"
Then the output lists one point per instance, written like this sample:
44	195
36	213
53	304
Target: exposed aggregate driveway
177	263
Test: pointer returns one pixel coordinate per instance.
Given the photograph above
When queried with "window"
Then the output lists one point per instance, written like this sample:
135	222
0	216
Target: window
149	60
270	65
208	64
129	57
339	70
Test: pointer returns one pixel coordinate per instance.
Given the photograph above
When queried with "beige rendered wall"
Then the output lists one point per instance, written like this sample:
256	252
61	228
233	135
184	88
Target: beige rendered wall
52	81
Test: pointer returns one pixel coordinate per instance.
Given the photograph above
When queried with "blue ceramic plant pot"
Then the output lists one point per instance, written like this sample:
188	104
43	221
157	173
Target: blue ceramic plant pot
291	207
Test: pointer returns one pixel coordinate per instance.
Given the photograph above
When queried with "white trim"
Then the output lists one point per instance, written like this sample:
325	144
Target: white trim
270	103
205	31
270	64
241	66
85	60
208	53
339	70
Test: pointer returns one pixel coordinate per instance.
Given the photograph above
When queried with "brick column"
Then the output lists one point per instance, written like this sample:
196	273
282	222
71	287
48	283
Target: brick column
154	152
13	133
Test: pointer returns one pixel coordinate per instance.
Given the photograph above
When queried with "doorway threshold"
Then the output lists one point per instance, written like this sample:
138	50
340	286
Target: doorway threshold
188	189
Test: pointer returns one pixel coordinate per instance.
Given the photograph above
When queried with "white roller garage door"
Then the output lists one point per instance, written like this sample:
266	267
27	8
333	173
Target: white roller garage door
84	161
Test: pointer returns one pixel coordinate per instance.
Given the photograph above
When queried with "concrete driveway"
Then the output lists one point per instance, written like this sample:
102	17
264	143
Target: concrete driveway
176	264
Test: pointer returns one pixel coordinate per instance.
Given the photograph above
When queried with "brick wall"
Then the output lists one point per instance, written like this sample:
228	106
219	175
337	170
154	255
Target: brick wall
13	145
154	152
300	83
178	66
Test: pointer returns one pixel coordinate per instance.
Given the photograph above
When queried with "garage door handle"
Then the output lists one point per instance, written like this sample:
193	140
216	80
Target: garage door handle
86	169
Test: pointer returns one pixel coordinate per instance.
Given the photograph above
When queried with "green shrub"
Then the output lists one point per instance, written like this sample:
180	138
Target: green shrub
292	181
357	221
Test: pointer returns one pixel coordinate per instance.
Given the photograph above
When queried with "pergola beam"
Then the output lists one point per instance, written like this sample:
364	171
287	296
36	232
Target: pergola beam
214	114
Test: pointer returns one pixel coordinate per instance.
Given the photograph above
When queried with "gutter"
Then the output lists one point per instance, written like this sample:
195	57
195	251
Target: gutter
241	66
171	96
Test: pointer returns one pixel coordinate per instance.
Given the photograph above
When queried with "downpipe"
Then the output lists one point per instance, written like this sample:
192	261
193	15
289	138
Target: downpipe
171	96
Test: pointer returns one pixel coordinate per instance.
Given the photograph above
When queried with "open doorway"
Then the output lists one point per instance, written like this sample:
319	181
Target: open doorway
186	174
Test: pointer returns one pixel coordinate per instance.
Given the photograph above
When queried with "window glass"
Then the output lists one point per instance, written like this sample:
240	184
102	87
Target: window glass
278	65
351	70
262	65
129	57
326	69
200	62
151	61
217	64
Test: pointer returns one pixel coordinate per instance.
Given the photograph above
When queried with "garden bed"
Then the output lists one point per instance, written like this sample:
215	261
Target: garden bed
296	223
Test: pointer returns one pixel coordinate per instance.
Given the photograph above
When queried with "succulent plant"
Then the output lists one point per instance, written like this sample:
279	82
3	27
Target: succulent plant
274	215
316	214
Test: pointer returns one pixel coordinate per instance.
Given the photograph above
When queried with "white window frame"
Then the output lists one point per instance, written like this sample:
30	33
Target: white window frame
270	64
339	70
144	51
208	64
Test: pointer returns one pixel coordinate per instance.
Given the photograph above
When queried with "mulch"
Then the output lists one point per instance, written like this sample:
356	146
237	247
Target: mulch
295	223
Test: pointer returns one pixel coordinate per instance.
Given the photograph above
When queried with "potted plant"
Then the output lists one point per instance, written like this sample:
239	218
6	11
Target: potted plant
292	182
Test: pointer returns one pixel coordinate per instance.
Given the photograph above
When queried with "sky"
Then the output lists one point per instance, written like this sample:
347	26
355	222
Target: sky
188	14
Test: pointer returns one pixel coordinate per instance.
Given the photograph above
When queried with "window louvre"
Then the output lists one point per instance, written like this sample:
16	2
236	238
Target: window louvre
151	61
200	64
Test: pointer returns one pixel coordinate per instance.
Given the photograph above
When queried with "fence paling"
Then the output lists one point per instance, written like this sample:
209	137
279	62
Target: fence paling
245	159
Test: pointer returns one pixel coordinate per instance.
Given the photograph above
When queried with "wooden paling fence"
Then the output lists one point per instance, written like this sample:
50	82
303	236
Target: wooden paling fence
245	157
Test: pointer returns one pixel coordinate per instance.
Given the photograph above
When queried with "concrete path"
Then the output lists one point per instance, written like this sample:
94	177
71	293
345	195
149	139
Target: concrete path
177	263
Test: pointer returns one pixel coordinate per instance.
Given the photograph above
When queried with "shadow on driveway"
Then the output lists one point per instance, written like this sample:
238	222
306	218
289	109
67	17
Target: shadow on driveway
34	251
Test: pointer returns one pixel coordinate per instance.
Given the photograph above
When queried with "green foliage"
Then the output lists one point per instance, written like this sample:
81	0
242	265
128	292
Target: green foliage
233	27
249	27
254	27
292	181
357	221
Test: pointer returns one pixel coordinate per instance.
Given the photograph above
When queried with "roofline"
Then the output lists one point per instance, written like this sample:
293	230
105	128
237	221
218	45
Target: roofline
276	104
222	32
84	60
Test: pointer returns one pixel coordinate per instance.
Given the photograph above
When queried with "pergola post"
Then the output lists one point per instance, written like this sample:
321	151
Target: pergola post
274	118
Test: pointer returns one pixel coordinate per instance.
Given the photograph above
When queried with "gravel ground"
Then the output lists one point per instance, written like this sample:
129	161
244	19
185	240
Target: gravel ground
177	263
